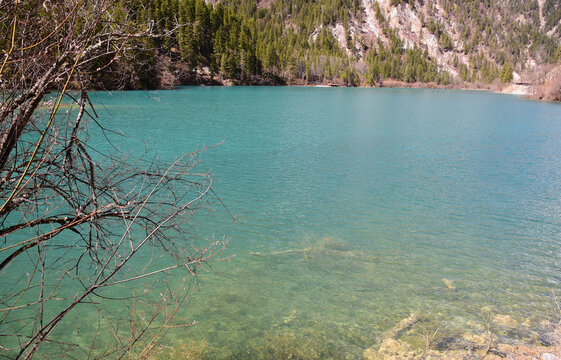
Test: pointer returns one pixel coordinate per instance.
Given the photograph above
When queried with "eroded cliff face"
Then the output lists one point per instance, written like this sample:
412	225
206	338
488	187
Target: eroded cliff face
460	36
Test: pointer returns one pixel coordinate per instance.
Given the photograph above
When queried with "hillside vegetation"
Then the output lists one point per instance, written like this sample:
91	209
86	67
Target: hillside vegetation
344	42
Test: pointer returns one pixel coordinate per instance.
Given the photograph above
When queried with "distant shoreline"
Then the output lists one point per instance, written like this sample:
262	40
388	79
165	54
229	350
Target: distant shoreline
529	91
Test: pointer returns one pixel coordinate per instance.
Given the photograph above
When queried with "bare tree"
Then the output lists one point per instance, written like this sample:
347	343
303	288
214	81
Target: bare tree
74	218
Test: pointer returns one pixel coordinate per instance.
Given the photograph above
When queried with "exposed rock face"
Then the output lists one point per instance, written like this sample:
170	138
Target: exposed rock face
371	25
410	19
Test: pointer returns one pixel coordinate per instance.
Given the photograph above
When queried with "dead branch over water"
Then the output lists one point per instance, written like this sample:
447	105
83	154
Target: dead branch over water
73	217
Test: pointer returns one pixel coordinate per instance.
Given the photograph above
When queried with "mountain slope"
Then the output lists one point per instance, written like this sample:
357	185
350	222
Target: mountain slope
472	40
353	42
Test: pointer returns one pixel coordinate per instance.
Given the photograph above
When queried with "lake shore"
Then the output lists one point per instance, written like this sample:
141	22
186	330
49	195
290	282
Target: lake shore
546	89
542	83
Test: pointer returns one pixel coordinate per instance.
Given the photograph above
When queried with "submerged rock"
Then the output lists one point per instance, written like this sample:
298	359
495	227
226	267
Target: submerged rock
391	346
333	244
391	349
400	344
448	284
449	355
403	325
474	338
324	247
370	354
290	317
549	335
506	321
527	352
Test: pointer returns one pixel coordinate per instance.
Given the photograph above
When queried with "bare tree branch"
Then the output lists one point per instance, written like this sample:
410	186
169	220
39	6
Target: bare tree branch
74	218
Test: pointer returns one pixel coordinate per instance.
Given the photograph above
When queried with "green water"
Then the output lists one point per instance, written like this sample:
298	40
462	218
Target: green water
353	205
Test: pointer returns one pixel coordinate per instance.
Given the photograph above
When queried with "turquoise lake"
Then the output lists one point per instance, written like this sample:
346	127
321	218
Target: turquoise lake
356	207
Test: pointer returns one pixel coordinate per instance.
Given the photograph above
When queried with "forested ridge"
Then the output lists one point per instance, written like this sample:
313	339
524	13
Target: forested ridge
341	42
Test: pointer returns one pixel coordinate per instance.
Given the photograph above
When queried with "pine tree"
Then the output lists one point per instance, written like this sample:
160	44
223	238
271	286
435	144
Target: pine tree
506	73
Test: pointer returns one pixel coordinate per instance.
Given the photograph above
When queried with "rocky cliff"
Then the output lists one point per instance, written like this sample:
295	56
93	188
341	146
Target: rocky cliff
468	39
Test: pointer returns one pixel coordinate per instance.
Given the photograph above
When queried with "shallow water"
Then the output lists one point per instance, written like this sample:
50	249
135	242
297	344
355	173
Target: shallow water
360	202
355	204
